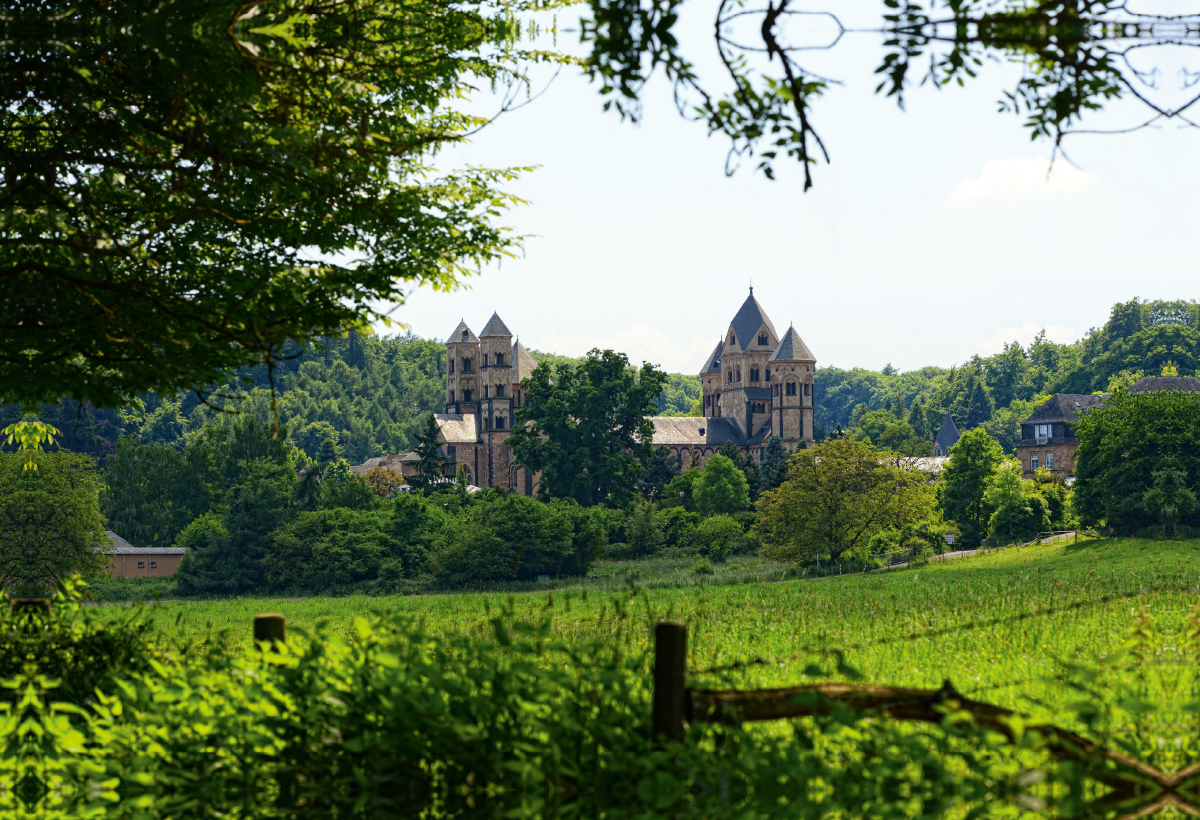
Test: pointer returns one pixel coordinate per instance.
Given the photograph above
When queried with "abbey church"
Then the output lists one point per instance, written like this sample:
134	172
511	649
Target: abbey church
757	384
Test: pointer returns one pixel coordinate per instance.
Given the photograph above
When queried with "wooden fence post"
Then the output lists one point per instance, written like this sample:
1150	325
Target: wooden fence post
269	627
670	669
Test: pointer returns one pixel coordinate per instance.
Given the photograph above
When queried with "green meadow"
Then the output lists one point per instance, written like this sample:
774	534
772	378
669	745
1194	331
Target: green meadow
1016	628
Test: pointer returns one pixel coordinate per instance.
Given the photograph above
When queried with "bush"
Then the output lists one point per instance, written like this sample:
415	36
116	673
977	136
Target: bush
505	538
327	548
678	525
644	528
589	536
704	567
717	538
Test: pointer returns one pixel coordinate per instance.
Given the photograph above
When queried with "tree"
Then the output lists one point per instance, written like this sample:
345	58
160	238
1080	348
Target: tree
980	406
657	472
186	216
1169	499
644	528
50	522
679	491
1053	491
837	496
961	493
748	466
717	537
721	488
1121	447
151	493
255	507
586	429
1019	512
326	548
774	463
431	464
506	538
383	481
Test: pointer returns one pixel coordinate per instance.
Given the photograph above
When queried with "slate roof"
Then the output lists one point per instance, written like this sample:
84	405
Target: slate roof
392	461
947	435
122	547
713	363
687	430
495	327
757	393
457	428
1064	407
792	349
1152	384
749	318
456	336
522	361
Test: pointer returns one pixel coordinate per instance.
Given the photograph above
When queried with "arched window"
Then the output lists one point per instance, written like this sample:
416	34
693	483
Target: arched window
466	395
768	374
762	339
452	365
486	389
499	422
451	396
464	335
499	390
754	374
466	367
739	374
807	389
791	388
500	359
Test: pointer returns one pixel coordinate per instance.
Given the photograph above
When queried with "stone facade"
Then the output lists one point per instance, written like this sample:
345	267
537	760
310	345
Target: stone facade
755	384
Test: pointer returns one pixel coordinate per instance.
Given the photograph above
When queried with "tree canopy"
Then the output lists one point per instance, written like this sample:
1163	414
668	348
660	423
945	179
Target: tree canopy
586	428
193	185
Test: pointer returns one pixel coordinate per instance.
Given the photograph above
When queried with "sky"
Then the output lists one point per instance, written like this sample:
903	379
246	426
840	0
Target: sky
934	234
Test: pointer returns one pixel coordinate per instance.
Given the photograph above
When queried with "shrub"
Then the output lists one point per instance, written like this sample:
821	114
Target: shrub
678	524
327	548
717	537
704	567
644	528
589	535
505	538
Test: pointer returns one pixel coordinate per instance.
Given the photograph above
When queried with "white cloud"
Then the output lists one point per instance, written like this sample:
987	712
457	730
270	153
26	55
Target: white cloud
1008	179
639	342
1024	334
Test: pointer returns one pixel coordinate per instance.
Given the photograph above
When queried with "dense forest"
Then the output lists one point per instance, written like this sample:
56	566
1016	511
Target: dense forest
365	396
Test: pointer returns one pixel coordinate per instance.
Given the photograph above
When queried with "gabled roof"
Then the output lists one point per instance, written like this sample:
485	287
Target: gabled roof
1152	384
119	546
495	327
695	430
523	363
456	428
392	461
792	349
1064	407
456	336
713	363
750	317
947	435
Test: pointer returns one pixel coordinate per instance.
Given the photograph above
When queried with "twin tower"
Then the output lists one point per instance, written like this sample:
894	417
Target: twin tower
756	384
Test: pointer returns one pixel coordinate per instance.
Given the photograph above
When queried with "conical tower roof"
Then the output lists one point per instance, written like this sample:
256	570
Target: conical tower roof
750	317
495	327
947	435
792	349
523	363
713	363
457	335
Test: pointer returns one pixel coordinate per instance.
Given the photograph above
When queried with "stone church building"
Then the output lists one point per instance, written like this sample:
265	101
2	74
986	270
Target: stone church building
756	384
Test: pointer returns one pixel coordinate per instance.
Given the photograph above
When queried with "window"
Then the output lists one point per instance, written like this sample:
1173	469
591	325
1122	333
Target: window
499	390
500	358
754	374
1049	461
708	401
141	564
807	389
768	375
791	388
762	339
775	390
1043	431
729	377
451	396
1033	461
739	375
153	564
452	365
466	367
464	335
499	422
466	395
486	389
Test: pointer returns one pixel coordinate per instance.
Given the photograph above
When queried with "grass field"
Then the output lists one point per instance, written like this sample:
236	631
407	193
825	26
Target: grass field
1085	604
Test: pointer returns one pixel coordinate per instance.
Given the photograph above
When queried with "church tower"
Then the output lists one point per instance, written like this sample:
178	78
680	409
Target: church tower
745	396
462	373
793	367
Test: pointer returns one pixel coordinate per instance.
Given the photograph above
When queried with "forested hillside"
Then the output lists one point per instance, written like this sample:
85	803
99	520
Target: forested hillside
366	396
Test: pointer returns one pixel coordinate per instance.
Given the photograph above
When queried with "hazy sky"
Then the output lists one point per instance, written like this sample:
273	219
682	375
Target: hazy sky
934	234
